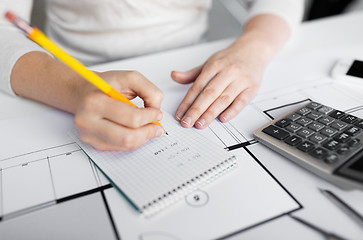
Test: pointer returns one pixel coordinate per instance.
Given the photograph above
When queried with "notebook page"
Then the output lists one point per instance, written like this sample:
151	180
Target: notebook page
165	168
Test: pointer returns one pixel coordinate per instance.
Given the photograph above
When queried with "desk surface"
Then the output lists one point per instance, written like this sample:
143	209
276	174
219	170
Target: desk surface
305	62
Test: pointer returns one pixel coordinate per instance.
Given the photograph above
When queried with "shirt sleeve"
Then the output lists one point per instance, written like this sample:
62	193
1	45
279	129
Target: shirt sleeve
290	10
13	42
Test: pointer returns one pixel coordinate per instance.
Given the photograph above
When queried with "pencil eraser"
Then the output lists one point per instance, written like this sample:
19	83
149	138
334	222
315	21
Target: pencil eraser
10	16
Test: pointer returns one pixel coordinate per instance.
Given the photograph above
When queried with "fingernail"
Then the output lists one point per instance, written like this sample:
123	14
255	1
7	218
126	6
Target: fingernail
179	116
159	117
225	118
159	131
200	122
187	121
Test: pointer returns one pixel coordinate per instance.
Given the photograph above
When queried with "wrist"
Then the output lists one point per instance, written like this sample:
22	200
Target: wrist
264	35
254	47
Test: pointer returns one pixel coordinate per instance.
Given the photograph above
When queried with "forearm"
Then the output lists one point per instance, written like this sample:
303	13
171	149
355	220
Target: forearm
40	77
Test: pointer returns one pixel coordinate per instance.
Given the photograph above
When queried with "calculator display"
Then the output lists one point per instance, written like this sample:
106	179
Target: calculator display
356	70
353	168
358	165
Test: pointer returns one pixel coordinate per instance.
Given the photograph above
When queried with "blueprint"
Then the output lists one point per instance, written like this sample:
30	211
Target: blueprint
40	167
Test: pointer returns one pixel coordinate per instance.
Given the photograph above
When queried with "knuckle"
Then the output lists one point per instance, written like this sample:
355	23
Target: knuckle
134	73
159	95
91	102
195	89
195	110
241	102
233	68
210	114
128	142
225	99
253	89
86	139
99	148
217	63
248	78
80	123
210	92
77	121
134	120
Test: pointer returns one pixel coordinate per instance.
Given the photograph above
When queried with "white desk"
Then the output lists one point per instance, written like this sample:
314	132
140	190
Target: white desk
308	58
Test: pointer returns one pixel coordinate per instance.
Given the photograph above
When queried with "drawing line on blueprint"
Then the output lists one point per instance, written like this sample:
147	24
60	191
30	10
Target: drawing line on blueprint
43	168
41	150
283	106
355	109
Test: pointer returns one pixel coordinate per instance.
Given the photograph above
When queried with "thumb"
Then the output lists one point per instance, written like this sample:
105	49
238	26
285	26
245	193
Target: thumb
186	77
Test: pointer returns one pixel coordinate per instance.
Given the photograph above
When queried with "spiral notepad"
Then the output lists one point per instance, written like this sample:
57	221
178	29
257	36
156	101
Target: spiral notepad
163	170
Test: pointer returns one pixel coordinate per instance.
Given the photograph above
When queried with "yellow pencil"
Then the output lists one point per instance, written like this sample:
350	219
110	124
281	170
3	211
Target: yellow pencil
41	39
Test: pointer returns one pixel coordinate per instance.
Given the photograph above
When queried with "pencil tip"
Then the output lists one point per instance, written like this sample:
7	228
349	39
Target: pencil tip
166	133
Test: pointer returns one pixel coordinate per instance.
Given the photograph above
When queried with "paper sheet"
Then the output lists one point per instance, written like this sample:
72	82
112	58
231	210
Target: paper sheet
163	170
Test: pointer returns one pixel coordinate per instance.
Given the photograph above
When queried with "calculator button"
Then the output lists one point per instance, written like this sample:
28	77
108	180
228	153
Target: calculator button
276	132
326	120
352	131
332	145
293	117
343	150
315	115
304	121
349	119
305	133
303	111
359	124
293	140
319	153
293	127
331	159
354	142
317	138
306	146
316	126
313	105
283	123
339	125
342	138
329	132
337	114
325	109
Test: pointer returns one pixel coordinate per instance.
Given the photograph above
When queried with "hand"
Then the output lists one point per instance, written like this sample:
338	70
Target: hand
222	86
108	124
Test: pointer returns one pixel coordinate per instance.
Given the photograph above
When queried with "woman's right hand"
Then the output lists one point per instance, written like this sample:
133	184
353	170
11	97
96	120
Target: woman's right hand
108	124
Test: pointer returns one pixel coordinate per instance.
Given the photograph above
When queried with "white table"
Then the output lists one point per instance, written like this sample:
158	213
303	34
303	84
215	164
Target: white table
308	56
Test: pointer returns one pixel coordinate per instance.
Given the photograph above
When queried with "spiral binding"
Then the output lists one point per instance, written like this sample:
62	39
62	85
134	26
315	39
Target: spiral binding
187	187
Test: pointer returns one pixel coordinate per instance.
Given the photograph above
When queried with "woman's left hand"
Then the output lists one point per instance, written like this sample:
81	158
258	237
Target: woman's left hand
230	78
222	86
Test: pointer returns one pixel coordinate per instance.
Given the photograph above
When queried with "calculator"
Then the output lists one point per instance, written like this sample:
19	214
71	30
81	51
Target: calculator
324	140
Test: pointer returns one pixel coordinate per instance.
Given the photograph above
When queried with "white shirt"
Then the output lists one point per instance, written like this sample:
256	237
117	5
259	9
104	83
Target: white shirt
95	31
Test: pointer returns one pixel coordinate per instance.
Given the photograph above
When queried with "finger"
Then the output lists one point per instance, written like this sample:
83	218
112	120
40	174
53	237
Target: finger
238	104
206	97
219	105
145	89
126	138
129	116
99	144
186	77
205	76
99	105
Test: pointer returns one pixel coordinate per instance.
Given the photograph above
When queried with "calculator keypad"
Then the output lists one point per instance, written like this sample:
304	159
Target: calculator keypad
324	133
